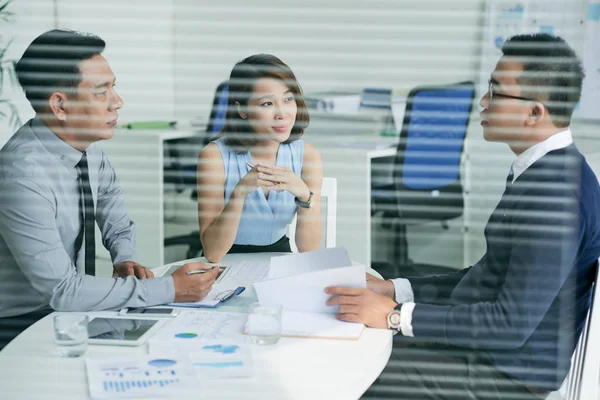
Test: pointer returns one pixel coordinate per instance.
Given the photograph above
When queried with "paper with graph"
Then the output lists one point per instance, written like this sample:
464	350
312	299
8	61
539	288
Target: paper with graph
213	359
127	377
202	325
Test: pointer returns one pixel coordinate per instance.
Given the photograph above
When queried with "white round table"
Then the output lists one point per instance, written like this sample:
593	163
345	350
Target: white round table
291	369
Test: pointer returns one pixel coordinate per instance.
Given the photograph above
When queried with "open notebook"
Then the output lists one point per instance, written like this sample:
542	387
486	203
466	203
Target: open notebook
303	298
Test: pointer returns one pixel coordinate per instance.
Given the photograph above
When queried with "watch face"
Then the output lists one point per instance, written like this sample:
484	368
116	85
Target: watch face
394	319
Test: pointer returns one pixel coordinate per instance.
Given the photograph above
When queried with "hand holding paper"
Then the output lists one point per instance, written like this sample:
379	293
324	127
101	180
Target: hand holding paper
302	294
306	292
361	305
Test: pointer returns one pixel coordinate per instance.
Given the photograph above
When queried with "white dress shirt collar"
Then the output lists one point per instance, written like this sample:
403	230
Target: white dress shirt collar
557	141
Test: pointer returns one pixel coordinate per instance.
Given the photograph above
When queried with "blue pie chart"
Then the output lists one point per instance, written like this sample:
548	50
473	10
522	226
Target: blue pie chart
186	335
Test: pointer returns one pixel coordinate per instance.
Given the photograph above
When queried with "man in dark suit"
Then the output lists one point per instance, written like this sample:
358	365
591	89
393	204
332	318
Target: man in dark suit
507	326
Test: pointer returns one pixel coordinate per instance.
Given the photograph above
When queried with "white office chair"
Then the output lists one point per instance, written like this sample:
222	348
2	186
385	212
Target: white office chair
583	378
328	215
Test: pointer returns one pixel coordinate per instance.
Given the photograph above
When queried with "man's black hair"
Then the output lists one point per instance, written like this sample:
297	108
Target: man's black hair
51	63
552	73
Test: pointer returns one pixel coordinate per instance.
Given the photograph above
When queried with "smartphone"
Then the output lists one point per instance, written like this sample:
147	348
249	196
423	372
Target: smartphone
154	312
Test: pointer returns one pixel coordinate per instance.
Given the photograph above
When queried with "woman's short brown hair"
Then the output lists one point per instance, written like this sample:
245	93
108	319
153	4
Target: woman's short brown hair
237	131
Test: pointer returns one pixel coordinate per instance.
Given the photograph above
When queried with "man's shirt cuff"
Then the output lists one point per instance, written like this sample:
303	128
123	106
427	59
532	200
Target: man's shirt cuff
403	290
159	290
406	312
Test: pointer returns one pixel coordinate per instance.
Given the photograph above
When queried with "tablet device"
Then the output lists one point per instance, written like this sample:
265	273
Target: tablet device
122	331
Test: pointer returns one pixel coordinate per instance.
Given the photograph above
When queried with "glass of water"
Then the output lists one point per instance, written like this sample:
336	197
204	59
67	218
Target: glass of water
71	334
264	324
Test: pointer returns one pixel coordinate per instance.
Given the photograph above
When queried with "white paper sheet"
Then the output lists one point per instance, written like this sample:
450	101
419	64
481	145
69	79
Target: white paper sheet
306	292
311	261
202	325
318	325
128	377
244	273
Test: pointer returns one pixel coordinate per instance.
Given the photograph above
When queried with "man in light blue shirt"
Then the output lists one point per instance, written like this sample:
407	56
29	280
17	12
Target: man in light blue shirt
54	181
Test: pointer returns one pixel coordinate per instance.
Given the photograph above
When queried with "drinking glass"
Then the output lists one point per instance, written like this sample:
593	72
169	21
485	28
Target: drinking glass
71	334
264	324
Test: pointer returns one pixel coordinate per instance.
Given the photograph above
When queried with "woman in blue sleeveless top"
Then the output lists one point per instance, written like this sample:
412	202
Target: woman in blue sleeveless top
258	173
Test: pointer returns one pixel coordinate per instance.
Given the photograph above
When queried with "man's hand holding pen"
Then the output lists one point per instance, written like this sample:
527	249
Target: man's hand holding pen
191	285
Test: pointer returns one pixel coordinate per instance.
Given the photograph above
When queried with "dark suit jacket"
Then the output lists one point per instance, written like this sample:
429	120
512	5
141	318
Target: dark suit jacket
525	302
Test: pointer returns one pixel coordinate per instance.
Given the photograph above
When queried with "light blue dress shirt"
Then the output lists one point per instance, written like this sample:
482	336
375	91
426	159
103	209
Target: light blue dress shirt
40	220
263	221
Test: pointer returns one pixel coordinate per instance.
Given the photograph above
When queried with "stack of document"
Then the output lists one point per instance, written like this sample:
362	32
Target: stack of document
297	282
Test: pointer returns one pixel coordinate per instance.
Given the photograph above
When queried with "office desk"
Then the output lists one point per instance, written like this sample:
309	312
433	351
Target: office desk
291	369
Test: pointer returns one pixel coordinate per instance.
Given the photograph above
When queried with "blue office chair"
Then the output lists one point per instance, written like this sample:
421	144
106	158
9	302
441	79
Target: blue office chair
181	155
216	121
182	170
426	177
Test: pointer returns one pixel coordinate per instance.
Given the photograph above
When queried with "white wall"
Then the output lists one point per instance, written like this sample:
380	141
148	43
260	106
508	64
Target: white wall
139	37
139	48
348	44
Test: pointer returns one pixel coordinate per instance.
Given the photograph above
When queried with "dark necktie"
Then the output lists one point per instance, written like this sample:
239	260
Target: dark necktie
87	210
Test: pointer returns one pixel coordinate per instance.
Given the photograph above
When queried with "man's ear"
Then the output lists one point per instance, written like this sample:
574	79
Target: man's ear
240	110
536	114
58	105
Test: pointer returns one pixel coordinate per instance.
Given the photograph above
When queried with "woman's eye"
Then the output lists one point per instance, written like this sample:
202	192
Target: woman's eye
265	104
291	98
101	93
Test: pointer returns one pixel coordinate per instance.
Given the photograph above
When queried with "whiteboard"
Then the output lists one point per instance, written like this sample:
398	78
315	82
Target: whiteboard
576	21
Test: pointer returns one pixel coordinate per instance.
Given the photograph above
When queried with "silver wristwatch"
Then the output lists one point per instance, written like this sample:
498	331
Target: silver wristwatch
393	319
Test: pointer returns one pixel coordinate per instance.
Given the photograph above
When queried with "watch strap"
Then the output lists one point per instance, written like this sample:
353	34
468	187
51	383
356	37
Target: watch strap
305	204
